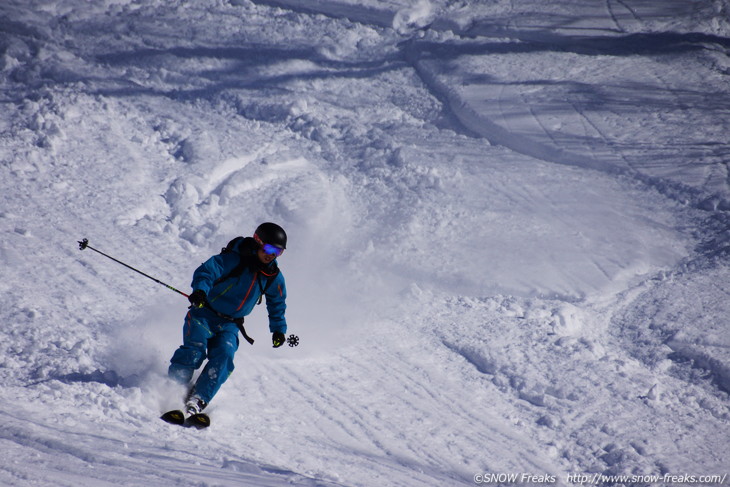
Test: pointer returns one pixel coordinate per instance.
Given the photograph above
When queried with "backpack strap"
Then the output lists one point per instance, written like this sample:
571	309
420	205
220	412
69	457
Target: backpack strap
238	322
269	279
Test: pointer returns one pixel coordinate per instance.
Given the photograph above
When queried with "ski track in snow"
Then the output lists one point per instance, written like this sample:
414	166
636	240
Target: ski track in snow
509	227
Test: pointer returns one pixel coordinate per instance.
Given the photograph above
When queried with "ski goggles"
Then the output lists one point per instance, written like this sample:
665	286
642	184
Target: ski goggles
272	249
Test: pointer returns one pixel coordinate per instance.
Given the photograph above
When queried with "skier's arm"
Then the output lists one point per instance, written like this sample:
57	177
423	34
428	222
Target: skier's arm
276	304
219	265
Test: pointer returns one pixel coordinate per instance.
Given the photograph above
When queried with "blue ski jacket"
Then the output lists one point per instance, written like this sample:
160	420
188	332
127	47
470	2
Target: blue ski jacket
236	295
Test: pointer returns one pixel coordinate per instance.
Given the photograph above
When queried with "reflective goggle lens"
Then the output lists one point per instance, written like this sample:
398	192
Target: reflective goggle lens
273	250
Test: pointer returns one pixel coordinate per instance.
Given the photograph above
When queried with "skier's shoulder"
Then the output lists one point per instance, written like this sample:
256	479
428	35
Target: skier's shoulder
221	261
242	246
238	250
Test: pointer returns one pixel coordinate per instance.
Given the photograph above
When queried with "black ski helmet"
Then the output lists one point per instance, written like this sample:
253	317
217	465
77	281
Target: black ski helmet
272	234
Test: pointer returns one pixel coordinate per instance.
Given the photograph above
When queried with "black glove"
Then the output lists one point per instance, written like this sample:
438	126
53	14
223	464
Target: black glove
278	339
198	299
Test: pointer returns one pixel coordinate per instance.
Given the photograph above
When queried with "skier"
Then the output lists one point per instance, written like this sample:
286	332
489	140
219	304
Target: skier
225	289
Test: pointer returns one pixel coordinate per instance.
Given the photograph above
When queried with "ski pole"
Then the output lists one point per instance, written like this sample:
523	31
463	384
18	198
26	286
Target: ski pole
84	244
293	340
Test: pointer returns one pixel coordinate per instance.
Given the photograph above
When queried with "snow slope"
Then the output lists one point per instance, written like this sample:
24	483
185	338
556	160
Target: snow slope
508	225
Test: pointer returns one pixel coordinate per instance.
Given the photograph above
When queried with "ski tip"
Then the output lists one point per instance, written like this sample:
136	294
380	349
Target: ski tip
200	420
174	417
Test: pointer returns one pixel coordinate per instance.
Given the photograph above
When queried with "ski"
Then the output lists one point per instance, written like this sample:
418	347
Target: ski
200	420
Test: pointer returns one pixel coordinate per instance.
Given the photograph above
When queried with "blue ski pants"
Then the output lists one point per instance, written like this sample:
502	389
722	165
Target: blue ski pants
205	335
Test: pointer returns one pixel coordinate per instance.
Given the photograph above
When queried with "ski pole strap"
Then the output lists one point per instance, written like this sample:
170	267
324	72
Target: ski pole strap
237	321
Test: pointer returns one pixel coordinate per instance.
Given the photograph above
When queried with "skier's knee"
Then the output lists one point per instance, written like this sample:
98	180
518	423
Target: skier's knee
225	347
188	357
